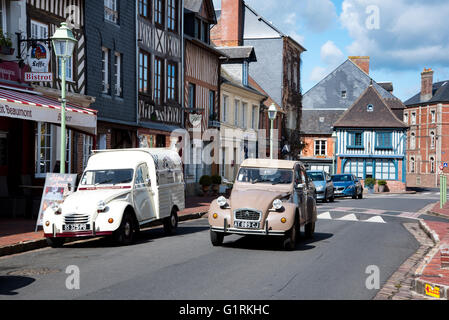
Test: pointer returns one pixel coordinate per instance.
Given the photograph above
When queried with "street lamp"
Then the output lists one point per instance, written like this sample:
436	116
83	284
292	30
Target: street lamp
272	116
334	159
63	43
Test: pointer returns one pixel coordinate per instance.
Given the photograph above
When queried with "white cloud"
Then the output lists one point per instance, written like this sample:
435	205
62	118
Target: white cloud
317	74
331	54
410	33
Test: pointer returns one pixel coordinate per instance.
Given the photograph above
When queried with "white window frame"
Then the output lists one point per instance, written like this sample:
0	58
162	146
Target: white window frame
3	16
432	140
254	117
412	164
225	108
406	118
244	109
412	141
38	146
112	16
88	142
432	164
105	70
320	147
118	74
236	112
433	116
413	118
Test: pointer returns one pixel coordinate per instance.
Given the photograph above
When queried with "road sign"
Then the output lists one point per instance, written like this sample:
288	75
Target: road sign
441	168
445	164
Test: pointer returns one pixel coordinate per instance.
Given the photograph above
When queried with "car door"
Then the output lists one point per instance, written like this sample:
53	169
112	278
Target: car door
143	196
300	192
310	200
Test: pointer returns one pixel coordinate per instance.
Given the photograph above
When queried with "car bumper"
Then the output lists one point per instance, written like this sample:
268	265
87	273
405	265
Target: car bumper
261	232
346	193
83	234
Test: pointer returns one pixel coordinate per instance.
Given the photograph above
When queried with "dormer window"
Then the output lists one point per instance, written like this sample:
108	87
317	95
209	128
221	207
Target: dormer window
370	108
245	68
343	94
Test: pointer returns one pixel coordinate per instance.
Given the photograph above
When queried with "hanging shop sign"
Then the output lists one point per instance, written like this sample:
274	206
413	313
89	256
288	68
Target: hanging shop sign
39	57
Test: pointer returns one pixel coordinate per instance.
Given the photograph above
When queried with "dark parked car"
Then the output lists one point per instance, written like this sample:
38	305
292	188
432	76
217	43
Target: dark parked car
347	185
323	185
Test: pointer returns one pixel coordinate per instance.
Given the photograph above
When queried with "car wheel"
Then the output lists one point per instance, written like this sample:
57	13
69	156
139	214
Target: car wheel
325	197
361	194
216	238
332	199
171	223
354	196
124	235
290	239
55	242
309	230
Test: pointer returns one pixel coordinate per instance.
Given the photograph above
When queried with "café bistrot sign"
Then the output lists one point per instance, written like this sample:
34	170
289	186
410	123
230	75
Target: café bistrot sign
39	60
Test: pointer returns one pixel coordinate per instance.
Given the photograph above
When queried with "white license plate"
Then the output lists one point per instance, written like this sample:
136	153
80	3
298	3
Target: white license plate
246	224
75	227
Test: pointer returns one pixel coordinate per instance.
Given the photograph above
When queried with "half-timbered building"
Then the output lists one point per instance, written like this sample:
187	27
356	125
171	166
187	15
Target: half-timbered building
159	75
371	140
201	82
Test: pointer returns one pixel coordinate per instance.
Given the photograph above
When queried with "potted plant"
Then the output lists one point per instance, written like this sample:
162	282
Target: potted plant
5	44
381	184
369	184
216	181
205	182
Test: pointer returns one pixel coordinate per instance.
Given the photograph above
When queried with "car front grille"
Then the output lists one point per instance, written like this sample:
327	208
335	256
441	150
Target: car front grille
76	219
340	188
247	214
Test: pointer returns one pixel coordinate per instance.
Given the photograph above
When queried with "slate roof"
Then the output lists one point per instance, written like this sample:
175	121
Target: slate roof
357	116
440	93
319	121
228	79
327	94
241	52
387	86
195	6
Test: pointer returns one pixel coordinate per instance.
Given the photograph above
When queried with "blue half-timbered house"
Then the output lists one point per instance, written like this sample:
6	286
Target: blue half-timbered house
371	140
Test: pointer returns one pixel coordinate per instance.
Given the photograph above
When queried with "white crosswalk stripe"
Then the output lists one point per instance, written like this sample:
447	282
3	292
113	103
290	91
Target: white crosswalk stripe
377	219
349	217
325	216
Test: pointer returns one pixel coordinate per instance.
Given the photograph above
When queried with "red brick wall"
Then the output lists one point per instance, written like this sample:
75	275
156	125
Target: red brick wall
229	29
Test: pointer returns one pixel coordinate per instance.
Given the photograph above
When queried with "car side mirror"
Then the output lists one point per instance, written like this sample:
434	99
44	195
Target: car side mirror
148	182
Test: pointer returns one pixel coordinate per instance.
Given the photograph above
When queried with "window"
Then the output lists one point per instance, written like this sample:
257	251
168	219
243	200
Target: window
158	80
320	147
159	12
111	11
370	108
192	94
433	116
212	105
413	117
160	141
355	140
406	118
244	107
44	150
245	67
236	113
68	68
385	169
118	75
432	165
144	72
172	72
87	149
412	141
172	15
105	70
432	140
254	117
197	28
412	165
145	9
384	140
38	30
343	94
225	108
356	167
205	32
3	16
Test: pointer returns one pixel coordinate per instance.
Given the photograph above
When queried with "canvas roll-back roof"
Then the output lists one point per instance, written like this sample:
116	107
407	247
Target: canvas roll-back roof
269	163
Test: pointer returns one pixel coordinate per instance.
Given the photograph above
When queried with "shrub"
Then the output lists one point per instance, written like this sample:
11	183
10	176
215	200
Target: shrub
216	179
205	181
382	183
370	182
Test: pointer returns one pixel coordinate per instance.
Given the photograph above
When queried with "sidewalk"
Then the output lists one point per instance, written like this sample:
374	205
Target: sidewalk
17	235
432	277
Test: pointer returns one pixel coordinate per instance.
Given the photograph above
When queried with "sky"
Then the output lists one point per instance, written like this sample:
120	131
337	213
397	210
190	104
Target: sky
402	37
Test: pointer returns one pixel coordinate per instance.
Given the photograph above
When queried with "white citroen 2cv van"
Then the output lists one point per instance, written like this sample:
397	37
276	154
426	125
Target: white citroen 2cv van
119	192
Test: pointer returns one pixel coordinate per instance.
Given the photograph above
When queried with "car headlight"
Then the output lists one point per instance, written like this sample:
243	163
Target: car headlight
221	201
350	187
101	206
319	188
56	208
277	204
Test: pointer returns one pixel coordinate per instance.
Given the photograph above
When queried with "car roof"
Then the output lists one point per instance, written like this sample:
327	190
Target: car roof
270	163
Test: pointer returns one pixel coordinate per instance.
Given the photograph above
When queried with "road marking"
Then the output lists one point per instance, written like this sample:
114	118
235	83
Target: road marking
376	219
325	216
349	217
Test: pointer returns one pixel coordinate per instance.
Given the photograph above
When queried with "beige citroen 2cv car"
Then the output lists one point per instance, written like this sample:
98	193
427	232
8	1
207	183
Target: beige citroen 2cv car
269	197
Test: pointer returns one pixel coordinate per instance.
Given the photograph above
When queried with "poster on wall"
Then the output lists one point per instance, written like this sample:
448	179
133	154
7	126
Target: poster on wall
57	188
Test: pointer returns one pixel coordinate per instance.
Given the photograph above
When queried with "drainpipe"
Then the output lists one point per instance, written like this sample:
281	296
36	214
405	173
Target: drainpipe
137	73
182	65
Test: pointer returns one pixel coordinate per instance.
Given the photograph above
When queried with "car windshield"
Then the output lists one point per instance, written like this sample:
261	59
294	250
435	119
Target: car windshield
316	176
342	178
112	176
265	175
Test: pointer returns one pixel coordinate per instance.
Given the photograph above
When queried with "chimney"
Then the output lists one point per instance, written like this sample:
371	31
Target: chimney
426	85
362	62
229	30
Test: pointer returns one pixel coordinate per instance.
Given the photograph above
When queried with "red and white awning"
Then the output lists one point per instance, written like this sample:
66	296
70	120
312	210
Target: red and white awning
35	107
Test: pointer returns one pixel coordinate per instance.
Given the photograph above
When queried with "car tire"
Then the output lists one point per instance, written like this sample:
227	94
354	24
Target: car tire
291	238
332	199
354	196
171	223
124	235
361	195
325	197
309	230
55	242
216	238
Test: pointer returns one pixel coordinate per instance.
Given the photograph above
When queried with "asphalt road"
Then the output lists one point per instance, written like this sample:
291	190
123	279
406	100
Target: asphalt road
186	266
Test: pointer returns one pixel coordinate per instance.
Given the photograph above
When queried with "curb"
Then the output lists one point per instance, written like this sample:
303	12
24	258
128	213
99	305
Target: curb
419	285
42	243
